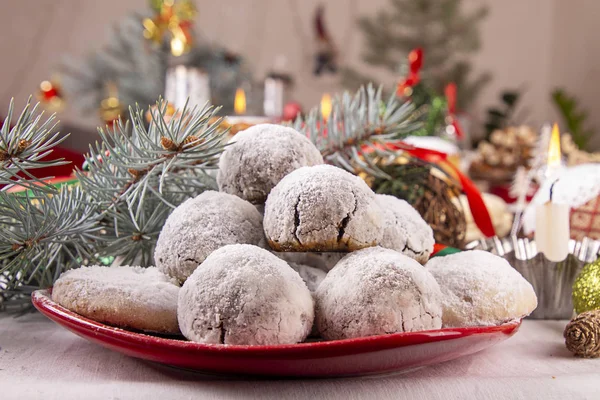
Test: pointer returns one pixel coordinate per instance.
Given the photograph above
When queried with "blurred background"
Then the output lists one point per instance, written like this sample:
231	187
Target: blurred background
531	47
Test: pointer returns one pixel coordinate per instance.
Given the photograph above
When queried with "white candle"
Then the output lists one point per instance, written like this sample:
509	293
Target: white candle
552	230
273	102
184	82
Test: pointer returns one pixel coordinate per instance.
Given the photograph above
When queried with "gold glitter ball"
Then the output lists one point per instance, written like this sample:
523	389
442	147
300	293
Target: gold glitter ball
586	289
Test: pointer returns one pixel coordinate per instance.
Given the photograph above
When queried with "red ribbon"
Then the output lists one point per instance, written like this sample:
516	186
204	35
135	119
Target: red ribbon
415	62
450	92
481	215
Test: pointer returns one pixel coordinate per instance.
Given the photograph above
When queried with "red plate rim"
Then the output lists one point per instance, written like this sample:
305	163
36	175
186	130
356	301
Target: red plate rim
42	301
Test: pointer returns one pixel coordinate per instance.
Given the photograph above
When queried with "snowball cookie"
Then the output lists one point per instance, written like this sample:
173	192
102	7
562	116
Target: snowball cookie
377	291
404	229
323	261
480	288
245	295
201	225
127	297
322	208
260	156
311	276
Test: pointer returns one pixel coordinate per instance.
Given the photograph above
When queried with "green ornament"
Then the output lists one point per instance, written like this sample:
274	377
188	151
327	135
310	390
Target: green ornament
586	289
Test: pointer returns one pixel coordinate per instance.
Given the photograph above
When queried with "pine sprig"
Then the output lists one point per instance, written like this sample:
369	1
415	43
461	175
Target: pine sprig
128	163
24	145
361	126
137	175
45	234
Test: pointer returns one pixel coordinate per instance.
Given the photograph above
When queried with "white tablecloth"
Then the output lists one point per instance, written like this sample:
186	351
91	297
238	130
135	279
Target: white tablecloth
40	360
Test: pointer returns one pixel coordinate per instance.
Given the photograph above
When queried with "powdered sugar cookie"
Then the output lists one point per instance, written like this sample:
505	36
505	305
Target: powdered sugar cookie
312	277
404	229
377	291
324	261
201	225
259	157
127	297
245	295
481	289
322	208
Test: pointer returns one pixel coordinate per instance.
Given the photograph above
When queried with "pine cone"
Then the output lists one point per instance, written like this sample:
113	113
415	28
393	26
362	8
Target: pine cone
582	334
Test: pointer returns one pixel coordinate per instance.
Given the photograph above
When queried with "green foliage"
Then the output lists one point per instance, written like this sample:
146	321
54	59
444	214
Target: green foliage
446	34
137	175
500	117
360	128
432	107
574	117
407	183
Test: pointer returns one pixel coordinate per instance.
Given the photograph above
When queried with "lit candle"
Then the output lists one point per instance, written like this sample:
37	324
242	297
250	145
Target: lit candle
552	219
326	106
239	102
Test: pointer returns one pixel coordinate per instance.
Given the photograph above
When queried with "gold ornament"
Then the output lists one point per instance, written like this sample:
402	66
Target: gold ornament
586	289
174	18
111	107
582	335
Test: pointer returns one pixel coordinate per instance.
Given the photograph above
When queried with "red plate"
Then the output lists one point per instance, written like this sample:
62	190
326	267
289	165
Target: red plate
362	356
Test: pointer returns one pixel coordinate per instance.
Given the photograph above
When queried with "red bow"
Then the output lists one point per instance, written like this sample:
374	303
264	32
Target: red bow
450	92
415	62
481	215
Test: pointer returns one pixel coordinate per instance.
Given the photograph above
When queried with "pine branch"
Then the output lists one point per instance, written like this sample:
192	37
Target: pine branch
43	236
136	177
574	117
139	175
23	146
360	127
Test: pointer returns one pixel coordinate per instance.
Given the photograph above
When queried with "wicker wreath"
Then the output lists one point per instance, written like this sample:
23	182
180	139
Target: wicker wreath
430	191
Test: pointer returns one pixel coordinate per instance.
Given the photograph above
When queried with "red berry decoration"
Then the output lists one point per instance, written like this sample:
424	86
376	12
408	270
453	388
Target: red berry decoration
291	111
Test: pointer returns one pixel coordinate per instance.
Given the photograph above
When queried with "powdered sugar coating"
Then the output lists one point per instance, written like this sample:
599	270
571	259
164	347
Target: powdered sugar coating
404	229
322	208
480	289
245	295
259	157
312	277
124	296
324	261
201	225
377	291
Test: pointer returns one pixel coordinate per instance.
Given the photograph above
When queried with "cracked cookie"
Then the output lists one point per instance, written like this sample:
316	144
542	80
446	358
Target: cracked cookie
404	229
481	289
322	208
377	291
201	225
259	157
126	297
247	296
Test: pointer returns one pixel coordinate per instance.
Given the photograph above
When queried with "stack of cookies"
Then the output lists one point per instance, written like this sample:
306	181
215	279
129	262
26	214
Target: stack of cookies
290	246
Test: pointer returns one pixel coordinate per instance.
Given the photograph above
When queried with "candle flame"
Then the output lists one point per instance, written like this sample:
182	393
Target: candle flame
177	46
554	154
326	106
239	103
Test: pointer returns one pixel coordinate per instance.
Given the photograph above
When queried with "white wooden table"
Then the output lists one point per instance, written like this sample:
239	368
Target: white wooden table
40	360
